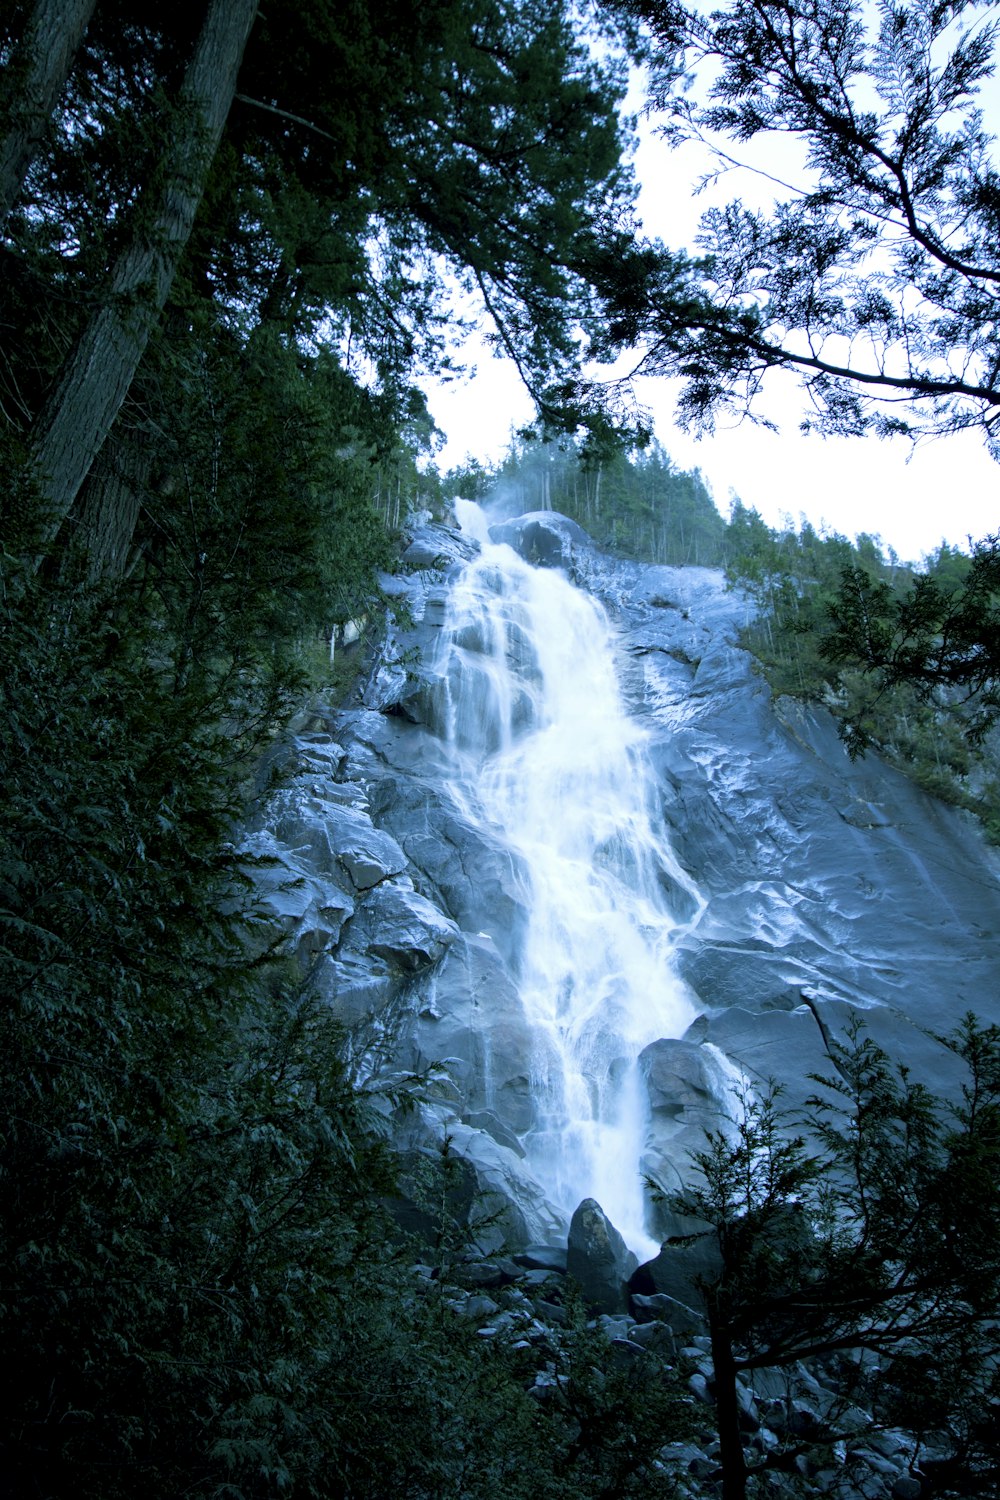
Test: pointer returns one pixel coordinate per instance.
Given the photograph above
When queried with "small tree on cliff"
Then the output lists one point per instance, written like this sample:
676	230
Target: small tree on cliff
871	1241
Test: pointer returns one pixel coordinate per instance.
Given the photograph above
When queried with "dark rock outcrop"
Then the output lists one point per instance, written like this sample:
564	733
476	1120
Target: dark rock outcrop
598	1259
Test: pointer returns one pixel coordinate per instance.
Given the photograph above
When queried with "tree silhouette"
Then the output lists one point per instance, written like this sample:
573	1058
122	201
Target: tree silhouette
865	1239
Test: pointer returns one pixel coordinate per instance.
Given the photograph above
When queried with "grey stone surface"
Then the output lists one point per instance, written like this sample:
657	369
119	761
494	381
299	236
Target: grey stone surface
598	1259
476	880
545	538
690	1256
470	1013
689	1092
810	890
402	927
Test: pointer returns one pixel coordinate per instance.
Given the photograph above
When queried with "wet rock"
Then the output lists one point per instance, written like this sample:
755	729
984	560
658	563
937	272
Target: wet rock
544	538
435	546
355	988
311	906
471	1014
366	854
690	1255
478	881
402	927
439	1191
543	1258
502	1178
598	1258
485	1119
689	1092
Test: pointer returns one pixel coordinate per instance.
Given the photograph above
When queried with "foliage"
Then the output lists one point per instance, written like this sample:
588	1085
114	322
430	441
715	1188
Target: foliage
204	1291
455	143
824	607
867	1228
876	280
873	279
944	632
640	504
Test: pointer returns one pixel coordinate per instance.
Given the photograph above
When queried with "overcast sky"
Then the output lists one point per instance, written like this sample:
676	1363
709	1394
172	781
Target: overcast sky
945	490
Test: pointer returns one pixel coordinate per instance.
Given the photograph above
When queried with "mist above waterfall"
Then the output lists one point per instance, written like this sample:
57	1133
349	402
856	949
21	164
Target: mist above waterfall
543	751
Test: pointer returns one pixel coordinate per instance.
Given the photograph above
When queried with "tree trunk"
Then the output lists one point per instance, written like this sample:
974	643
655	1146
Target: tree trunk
31	84
78	415
109	503
727	1412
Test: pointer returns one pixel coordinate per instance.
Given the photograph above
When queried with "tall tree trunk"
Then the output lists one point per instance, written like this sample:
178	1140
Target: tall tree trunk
31	84
727	1411
108	507
78	415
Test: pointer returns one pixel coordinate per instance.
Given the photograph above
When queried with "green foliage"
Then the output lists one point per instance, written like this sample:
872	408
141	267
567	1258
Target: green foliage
943	632
868	1226
638	505
479	143
204	1292
874	276
902	659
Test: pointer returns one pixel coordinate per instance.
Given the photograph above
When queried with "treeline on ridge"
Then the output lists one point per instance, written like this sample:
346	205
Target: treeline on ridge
840	622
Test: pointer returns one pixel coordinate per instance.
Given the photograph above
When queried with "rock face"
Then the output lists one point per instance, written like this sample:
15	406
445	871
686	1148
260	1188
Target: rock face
804	888
689	1256
599	1259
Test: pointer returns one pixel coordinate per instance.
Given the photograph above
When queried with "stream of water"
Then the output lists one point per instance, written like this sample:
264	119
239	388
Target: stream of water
543	749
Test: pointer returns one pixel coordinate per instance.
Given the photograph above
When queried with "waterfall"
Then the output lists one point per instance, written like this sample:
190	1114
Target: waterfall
541	747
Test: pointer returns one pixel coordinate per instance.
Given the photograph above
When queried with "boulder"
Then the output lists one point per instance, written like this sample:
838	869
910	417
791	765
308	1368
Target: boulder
365	853
312	908
490	1191
434	546
598	1259
401	927
544	538
690	1255
356	989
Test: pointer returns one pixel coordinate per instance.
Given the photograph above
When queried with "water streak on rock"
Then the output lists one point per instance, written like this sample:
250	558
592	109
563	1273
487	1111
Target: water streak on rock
543	751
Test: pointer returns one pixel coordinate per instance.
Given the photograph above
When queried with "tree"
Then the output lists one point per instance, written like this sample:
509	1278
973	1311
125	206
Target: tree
34	73
79	413
939	635
369	151
877	279
866	1234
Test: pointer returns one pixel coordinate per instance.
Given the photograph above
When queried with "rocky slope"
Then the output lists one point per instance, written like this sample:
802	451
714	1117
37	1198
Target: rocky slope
823	887
806	890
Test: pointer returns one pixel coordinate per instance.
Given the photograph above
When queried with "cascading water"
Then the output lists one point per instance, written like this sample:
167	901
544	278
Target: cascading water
542	748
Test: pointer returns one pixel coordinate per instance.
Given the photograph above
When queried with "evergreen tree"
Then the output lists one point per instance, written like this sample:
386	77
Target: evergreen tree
877	280
484	142
637	504
868	1229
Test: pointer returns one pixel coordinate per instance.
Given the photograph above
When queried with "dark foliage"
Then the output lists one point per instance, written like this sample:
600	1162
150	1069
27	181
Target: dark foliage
875	277
865	1234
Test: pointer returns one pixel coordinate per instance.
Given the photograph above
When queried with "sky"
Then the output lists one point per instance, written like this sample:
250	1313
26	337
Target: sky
945	490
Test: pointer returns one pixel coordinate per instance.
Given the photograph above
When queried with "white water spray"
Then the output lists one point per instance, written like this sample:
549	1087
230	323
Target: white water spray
543	749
